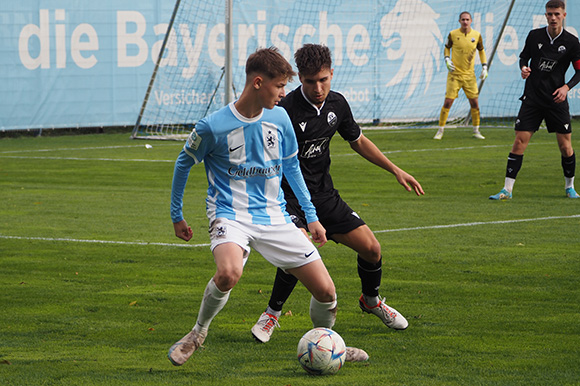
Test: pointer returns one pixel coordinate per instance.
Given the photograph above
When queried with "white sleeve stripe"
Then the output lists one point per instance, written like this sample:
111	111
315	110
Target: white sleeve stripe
291	155
191	155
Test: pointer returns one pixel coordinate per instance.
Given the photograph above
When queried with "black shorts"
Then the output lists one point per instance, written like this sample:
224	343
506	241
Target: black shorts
333	213
557	118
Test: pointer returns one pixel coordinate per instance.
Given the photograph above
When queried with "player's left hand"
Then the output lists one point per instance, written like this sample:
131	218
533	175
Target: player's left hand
318	233
483	72
410	183
561	93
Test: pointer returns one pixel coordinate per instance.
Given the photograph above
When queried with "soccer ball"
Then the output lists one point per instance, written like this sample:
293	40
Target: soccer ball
321	351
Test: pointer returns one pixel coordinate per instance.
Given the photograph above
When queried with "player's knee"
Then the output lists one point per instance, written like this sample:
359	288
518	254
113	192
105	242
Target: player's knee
325	293
226	279
371	251
566	149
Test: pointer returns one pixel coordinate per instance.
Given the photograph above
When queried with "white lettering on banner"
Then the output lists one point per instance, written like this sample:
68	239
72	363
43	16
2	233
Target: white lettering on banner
170	58
83	38
353	44
192	51
324	31
41	31
509	41
574	93
353	95
125	39
183	97
47	43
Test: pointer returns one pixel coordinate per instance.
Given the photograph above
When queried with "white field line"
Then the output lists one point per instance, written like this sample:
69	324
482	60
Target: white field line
445	149
469	224
75	149
100	241
160	160
90	159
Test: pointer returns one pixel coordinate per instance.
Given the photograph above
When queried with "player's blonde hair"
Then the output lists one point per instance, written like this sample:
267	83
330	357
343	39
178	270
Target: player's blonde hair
269	62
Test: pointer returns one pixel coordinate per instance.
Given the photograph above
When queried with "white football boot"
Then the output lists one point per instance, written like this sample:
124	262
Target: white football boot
390	317
264	327
180	352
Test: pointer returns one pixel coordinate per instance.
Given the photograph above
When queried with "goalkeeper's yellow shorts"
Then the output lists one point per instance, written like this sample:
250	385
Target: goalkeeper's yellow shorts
466	82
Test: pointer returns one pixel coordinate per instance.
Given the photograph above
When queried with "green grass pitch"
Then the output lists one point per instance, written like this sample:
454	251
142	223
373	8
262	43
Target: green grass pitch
95	288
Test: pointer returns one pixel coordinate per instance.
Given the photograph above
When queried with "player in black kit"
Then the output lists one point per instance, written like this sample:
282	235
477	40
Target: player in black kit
317	113
551	49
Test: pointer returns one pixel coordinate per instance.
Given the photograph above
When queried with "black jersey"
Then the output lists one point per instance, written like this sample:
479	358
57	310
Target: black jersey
314	128
550	60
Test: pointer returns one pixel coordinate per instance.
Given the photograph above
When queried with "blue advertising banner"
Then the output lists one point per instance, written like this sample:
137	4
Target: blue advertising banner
85	63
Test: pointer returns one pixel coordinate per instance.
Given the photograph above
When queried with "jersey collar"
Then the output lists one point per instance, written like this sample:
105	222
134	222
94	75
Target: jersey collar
549	37
318	110
240	117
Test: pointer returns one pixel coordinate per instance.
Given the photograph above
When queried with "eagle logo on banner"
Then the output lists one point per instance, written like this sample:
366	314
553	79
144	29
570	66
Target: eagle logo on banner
411	26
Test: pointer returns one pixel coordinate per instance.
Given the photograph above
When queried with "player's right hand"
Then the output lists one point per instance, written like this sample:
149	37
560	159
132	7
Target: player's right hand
182	230
318	233
526	72
449	64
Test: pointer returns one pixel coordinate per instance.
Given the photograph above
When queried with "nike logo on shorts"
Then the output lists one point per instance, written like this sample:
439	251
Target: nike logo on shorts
307	255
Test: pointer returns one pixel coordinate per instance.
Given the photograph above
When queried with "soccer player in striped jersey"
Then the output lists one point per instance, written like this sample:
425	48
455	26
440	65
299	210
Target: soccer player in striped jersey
460	59
247	146
547	54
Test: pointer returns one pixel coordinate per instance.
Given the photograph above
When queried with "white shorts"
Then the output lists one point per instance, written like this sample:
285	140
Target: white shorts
285	246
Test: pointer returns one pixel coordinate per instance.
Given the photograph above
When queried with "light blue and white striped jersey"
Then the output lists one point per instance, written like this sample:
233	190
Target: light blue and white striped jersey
244	161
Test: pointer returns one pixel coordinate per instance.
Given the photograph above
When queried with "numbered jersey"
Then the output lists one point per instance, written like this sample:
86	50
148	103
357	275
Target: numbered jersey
314	128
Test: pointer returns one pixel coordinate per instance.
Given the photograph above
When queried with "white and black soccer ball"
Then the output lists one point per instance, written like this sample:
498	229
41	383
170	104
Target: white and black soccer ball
321	351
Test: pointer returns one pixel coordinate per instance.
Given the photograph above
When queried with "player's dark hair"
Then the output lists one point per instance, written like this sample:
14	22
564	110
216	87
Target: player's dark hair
465	12
269	62
313	58
555	4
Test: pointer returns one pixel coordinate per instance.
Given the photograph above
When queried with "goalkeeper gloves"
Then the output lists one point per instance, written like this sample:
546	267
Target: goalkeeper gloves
483	71
449	64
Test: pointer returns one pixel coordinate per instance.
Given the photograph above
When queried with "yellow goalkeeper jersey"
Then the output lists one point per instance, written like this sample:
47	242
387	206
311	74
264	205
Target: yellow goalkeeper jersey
463	47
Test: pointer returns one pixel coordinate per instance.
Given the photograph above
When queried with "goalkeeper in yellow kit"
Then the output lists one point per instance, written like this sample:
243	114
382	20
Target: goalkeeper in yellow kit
463	41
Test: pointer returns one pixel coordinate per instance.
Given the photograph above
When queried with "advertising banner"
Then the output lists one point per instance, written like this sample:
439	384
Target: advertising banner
88	63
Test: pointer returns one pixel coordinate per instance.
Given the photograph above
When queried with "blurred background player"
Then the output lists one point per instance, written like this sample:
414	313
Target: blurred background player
463	42
246	146
317	113
551	49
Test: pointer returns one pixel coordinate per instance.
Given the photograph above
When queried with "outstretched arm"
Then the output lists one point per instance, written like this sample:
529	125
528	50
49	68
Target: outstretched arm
368	150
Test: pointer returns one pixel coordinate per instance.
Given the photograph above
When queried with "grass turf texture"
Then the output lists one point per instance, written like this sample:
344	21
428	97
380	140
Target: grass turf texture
488	303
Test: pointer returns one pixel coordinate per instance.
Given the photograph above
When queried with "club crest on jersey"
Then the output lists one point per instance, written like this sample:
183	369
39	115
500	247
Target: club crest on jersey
193	140
331	119
561	50
473	40
270	140
547	64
